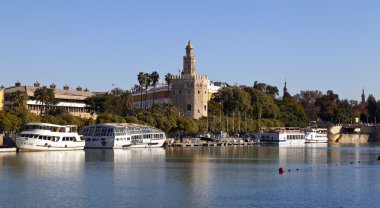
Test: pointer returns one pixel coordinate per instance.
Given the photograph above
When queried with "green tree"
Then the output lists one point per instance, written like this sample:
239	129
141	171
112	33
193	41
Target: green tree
264	105
154	77
292	113
142	78
260	86
328	105
24	116
19	99
117	101
168	79
46	97
233	99
9	123
147	118
147	84
308	100
344	112
187	124
110	118
132	119
268	89
272	91
372	108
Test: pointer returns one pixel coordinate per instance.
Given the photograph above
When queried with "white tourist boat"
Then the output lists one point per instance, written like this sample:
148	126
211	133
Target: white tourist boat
316	135
145	136
49	137
122	135
280	136
106	136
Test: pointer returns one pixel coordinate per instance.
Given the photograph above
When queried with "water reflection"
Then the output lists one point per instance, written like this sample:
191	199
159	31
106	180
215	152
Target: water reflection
193	177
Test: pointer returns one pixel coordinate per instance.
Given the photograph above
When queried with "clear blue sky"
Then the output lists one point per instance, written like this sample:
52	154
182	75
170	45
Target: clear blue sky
326	44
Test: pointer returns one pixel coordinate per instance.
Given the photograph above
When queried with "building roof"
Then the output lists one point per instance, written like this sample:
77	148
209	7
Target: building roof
59	93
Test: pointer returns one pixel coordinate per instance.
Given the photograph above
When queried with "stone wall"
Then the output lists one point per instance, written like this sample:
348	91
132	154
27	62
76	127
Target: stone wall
361	134
349	138
190	94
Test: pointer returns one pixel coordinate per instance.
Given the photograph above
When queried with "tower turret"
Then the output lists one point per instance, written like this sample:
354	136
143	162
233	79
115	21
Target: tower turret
189	61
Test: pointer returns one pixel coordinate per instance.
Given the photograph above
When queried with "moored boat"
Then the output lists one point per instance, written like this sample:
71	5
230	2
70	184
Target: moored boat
316	135
145	136
106	136
279	135
121	135
49	137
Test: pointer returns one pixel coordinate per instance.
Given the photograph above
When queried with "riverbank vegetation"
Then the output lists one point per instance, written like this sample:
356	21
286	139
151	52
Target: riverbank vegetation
233	109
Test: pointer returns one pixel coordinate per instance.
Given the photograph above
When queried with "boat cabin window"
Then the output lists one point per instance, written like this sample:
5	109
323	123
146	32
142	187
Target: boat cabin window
98	130
68	139
73	129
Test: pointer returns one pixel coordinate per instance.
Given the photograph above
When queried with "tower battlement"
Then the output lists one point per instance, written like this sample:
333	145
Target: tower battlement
190	77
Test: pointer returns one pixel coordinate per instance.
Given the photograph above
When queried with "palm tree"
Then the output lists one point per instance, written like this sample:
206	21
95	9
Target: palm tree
45	96
147	84
168	79
19	99
154	76
142	81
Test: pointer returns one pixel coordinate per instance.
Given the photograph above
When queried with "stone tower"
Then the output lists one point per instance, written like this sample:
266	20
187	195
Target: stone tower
189	90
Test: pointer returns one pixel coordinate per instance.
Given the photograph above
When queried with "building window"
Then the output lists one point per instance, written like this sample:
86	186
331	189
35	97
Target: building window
188	107
180	91
199	92
205	107
189	91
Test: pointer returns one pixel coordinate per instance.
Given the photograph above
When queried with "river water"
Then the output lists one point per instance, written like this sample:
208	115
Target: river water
327	176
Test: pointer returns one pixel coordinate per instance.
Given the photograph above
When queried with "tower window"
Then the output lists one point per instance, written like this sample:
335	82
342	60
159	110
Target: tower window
188	107
205	107
199	92
189	91
180	91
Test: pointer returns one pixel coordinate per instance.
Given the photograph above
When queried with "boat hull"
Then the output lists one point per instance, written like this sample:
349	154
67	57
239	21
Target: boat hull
153	144
32	145
284	142
8	149
109	147
315	141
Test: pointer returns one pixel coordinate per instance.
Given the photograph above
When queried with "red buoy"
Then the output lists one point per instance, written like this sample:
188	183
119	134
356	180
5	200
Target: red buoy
281	170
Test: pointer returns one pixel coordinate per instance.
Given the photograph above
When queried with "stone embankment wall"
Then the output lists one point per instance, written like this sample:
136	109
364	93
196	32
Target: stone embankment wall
360	134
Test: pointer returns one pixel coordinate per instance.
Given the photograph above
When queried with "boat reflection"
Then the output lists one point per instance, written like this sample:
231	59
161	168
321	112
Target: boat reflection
64	164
